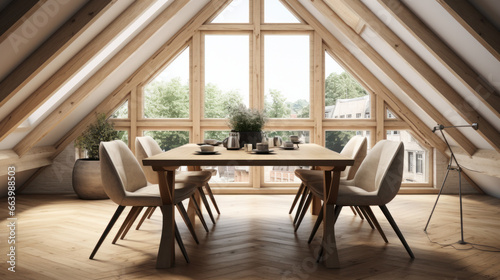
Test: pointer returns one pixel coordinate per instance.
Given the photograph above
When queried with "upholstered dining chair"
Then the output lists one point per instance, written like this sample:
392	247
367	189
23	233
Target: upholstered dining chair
125	184
355	148
146	147
377	182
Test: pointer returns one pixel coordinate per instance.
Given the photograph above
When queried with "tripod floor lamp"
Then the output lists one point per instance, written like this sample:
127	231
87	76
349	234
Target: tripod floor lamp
452	165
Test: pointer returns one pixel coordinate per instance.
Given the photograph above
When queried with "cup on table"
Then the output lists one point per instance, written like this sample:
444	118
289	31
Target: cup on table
294	138
248	147
262	147
288	144
210	141
207	148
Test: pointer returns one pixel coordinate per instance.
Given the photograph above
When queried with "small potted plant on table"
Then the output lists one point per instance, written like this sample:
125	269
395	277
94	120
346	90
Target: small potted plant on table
248	123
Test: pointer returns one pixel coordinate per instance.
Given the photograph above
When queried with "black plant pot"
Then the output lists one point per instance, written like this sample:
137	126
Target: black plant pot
250	137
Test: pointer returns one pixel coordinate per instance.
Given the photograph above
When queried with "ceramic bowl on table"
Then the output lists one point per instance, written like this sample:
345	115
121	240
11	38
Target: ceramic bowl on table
207	148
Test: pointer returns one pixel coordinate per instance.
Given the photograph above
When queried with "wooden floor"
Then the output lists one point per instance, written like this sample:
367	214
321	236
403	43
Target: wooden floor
254	239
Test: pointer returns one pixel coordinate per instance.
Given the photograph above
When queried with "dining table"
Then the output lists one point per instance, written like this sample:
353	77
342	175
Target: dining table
166	163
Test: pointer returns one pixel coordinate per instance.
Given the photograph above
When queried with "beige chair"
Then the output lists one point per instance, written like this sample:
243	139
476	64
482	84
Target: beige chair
355	148
147	147
376	183
125	184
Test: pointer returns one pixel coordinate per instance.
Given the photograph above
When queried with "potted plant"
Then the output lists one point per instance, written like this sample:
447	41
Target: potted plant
248	122
87	171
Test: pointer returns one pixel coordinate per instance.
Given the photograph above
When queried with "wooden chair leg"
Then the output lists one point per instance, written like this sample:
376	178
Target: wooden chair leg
301	204
198	212
181	244
396	229
372	217
319	220
131	222
187	221
212	198
125	223
110	225
359	212
205	201
353	211
146	214
303	211
151	213
297	196
363	211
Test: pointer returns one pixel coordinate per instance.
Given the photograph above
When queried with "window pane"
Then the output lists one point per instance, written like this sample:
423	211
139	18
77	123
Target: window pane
390	115
123	135
335	140
238	11
226	173
345	98
284	173
287	75
121	112
168	139
416	157
167	96
226	73
275	12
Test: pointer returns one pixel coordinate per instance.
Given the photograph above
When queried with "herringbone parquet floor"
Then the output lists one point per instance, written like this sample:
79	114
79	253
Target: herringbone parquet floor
254	239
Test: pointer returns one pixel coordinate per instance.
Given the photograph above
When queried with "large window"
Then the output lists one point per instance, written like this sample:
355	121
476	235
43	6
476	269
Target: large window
167	95
416	157
262	55
226	73
345	98
287	75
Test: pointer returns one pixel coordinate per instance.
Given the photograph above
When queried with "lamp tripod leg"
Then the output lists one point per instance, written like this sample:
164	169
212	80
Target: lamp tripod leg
439	194
461	241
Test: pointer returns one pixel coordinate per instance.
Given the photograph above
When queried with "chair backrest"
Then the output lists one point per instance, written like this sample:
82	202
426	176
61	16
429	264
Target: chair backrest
120	171
146	147
356	149
382	170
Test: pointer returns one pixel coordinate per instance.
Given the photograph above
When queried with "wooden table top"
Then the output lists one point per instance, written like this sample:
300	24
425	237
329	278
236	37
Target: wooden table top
305	155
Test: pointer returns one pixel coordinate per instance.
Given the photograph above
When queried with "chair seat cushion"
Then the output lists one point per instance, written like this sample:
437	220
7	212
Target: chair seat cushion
195	177
150	195
348	195
309	176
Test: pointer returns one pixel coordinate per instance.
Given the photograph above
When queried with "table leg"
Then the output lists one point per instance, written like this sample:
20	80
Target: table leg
166	250
331	185
190	209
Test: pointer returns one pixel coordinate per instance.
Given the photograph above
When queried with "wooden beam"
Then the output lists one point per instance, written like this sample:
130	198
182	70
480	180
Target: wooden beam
353	65
15	14
41	57
393	74
72	102
161	57
348	16
453	98
35	158
475	23
444	54
318	93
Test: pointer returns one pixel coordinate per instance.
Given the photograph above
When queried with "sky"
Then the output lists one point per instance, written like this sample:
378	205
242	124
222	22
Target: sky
227	57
